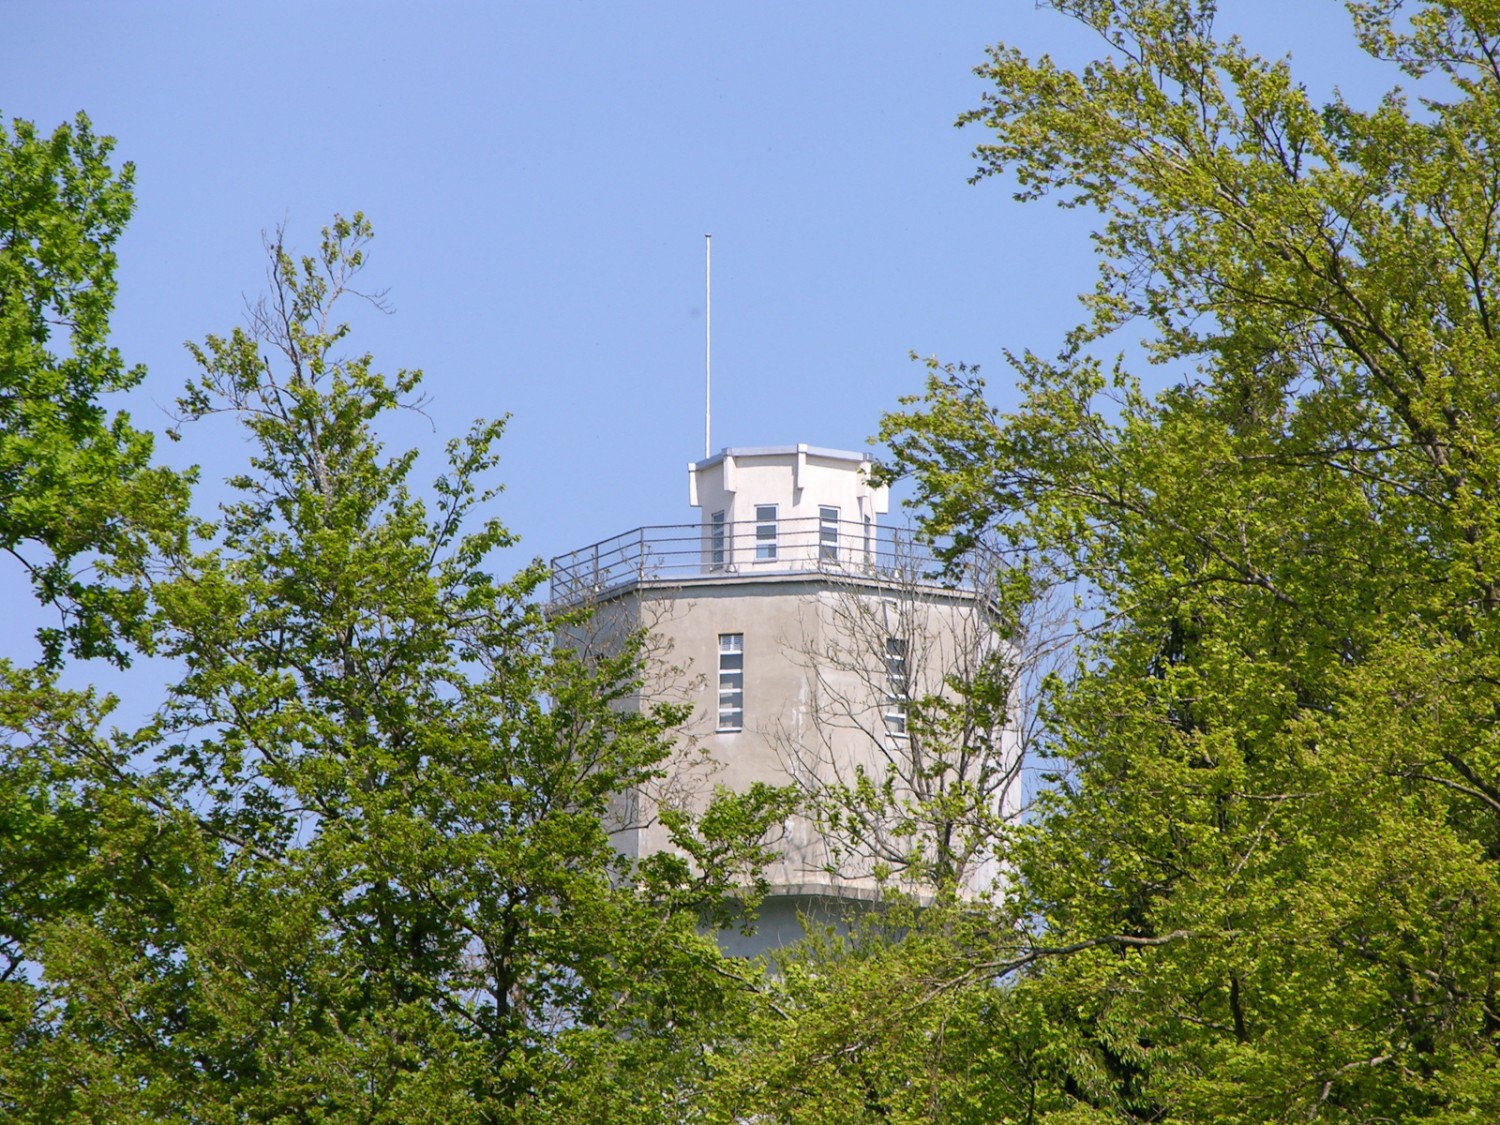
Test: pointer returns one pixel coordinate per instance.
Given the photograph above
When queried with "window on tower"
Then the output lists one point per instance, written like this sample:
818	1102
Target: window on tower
716	539
897	686
765	531
731	681
828	534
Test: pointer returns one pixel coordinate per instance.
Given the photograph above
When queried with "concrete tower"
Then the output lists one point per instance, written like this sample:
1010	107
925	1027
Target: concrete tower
801	630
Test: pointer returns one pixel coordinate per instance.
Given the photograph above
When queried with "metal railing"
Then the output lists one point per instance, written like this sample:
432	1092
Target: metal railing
745	548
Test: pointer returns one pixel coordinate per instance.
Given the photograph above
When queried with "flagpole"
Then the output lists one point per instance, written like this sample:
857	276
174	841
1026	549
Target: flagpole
708	339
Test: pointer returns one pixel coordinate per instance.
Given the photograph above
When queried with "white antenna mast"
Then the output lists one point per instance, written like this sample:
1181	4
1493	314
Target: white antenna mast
708	342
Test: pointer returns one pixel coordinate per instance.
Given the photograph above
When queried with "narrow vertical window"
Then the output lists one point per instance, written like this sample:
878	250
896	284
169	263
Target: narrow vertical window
897	686
716	539
765	531
828	534
731	681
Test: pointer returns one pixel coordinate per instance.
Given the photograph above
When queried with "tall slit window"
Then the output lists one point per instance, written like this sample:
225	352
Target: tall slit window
716	539
731	681
828	534
765	531
897	686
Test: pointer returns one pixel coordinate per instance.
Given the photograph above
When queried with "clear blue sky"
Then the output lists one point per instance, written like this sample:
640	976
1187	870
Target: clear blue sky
541	176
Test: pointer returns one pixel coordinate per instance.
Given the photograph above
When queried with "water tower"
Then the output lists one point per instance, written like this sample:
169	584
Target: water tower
802	631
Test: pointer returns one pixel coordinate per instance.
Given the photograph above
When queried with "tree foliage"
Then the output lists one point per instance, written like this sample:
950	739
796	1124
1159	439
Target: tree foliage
76	483
1276	758
356	868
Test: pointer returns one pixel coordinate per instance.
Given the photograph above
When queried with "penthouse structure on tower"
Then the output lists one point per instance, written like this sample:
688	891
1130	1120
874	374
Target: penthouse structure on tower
808	637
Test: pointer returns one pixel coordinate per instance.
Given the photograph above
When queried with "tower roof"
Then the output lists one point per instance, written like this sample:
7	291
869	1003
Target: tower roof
780	451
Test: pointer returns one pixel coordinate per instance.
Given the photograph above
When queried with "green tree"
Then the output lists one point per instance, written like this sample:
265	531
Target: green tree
76	483
368	877
81	508
1266	874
